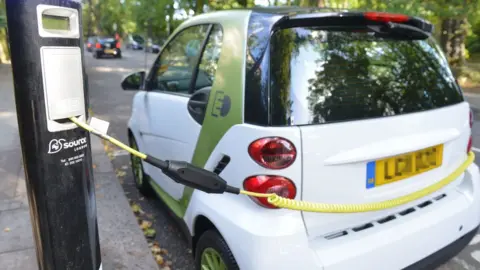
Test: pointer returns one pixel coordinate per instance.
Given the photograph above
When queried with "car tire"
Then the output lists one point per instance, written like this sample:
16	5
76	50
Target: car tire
97	55
139	176
118	55
212	245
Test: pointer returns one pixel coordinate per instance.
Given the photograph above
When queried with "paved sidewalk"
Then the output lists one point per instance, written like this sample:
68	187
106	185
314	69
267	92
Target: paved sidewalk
122	242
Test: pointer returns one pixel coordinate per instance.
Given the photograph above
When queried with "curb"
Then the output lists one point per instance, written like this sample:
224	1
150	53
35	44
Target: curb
122	242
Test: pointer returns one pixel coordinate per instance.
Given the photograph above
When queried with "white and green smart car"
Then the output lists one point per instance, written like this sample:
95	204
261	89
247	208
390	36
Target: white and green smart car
323	106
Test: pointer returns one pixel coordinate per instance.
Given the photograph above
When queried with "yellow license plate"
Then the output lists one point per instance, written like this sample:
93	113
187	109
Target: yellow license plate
393	169
109	51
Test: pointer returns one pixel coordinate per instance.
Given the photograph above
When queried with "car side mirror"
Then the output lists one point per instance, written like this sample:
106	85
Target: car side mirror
133	81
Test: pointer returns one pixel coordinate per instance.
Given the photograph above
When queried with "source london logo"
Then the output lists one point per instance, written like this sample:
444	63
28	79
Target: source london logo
57	145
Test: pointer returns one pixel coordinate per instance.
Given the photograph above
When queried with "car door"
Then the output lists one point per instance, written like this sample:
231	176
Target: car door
173	123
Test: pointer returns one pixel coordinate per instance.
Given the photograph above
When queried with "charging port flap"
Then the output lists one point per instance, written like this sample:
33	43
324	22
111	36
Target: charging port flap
63	86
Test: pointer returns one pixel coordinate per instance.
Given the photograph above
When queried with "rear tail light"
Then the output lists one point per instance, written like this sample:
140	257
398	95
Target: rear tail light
98	46
385	17
279	185
469	145
117	45
273	152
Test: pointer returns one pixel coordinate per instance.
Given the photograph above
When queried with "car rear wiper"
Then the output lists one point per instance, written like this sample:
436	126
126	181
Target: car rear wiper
398	30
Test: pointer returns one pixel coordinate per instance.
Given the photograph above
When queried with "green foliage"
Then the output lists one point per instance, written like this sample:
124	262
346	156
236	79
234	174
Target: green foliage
155	18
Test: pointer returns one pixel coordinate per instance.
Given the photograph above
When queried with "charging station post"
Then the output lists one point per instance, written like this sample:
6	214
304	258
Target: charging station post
46	47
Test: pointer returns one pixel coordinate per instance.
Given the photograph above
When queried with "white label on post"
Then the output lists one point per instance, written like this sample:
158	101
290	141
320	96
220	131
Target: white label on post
99	125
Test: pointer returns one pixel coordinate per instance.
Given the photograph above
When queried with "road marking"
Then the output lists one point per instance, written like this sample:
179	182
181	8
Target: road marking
476	255
475	240
463	264
476	149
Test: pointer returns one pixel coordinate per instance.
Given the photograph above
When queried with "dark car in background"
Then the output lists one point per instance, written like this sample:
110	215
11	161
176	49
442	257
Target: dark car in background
90	43
135	42
106	46
153	46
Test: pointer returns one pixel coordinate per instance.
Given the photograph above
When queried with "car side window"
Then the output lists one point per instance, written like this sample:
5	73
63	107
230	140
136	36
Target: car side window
209	62
175	66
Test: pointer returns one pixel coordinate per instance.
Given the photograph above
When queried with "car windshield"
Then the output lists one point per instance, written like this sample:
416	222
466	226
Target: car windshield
321	76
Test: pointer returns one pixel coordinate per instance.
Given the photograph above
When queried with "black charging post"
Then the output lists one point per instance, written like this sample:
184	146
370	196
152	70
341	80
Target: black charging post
46	47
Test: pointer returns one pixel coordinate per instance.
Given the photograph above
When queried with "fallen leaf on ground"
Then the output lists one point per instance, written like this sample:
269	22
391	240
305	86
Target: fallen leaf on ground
145	224
164	251
168	263
136	208
124	167
121	173
149	233
159	259
6	229
155	249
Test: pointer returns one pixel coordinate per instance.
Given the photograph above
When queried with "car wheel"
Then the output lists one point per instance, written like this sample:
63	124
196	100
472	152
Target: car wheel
118	55
141	181
213	253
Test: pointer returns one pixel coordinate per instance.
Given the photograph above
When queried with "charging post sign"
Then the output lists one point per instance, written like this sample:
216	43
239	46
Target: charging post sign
46	47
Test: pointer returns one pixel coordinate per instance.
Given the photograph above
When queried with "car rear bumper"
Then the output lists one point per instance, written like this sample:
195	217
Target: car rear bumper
428	236
443	255
114	51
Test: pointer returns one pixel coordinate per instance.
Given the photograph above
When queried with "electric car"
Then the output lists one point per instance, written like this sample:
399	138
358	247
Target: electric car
349	109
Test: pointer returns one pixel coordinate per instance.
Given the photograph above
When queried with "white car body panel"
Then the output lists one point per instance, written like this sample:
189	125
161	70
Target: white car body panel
345	181
167	138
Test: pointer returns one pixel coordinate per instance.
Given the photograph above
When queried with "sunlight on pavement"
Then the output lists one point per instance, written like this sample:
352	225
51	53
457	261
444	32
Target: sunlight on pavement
113	69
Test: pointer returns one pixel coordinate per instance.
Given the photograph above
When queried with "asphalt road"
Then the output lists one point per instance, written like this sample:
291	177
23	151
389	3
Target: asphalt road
109	102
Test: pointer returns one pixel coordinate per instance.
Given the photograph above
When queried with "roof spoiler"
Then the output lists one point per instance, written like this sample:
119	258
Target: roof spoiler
402	22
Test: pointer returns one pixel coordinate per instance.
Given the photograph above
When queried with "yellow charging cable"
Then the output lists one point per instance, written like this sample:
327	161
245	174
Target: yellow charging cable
286	203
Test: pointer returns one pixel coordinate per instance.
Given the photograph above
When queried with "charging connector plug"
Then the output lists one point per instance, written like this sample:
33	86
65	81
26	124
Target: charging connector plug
191	176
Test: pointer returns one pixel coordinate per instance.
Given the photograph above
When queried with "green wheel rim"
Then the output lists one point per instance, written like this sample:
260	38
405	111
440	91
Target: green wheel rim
211	260
137	166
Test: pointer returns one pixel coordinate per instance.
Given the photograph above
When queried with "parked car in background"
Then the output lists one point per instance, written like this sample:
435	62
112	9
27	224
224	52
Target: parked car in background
135	42
106	46
90	43
153	46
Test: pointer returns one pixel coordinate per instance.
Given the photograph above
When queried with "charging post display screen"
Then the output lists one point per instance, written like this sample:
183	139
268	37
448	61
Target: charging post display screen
52	22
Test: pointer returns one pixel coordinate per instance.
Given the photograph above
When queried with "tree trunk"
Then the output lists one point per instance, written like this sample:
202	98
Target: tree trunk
199	6
89	18
445	35
452	40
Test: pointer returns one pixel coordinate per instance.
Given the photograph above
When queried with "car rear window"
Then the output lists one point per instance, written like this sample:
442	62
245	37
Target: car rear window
106	39
320	76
